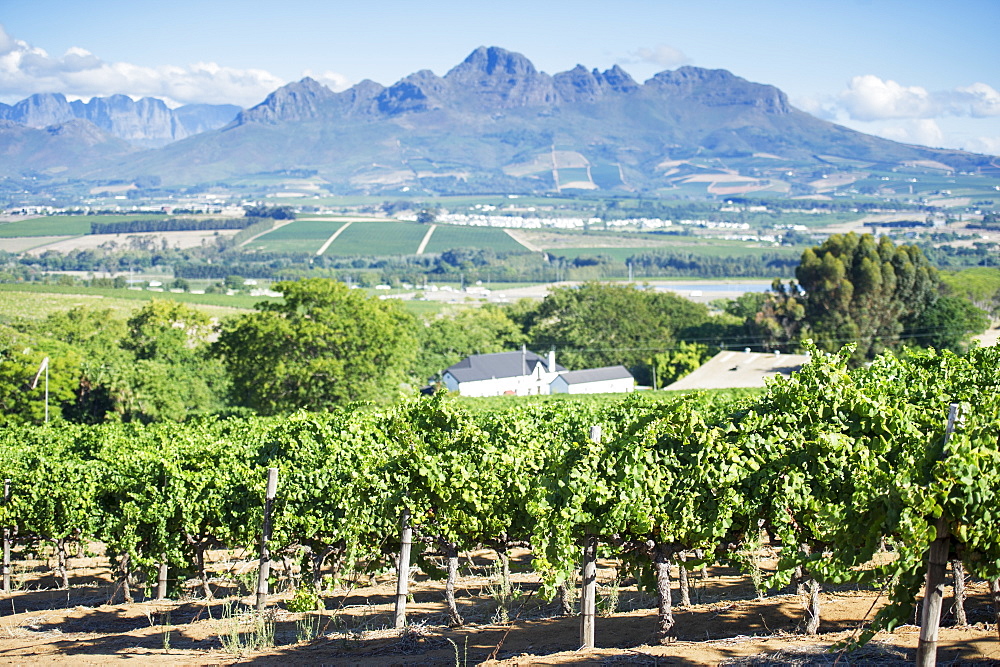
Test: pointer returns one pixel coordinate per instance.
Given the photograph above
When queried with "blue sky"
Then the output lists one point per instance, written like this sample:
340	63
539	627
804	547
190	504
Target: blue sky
919	71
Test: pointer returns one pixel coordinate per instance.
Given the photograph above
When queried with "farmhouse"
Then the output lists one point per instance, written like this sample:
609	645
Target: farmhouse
522	373
525	373
607	380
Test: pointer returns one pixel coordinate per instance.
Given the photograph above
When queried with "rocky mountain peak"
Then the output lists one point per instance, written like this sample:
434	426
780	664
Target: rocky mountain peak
617	79
296	101
41	110
492	61
718	88
493	78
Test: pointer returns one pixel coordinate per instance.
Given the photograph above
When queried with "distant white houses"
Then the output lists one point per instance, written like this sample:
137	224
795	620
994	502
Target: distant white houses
607	380
525	373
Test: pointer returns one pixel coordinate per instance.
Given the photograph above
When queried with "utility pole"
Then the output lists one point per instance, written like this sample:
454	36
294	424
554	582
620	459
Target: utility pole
34	383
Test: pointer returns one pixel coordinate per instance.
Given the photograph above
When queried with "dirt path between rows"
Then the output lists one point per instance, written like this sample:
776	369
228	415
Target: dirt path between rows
726	623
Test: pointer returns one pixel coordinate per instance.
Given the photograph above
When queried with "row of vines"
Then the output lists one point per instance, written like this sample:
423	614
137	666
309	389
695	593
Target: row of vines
831	465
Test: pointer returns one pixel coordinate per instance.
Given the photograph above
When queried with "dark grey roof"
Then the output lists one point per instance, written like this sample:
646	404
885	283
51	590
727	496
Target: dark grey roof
596	375
497	365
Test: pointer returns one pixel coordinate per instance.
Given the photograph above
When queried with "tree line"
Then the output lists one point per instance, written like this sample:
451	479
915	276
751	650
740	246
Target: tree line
325	345
169	225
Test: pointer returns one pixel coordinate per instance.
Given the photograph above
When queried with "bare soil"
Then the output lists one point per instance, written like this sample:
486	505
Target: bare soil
727	623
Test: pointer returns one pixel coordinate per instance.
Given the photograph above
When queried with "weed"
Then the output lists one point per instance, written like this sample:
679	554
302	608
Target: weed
165	629
260	633
749	556
607	602
307	628
463	660
503	593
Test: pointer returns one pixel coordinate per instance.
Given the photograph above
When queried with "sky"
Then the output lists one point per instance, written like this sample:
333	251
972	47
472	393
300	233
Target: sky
918	71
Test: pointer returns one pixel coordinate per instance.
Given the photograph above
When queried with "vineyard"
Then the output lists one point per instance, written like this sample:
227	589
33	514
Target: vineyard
845	477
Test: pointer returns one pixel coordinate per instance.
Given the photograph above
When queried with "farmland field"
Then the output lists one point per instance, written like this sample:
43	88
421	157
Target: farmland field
569	175
64	225
36	302
378	238
447	237
299	236
606	176
61	225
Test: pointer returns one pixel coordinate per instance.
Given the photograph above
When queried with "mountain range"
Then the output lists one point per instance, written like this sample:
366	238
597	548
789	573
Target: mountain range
491	123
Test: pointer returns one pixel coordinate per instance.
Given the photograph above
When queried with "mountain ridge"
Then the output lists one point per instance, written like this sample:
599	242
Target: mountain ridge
494	122
147	122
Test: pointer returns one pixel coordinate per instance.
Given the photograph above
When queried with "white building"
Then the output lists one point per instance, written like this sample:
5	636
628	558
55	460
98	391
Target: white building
525	373
522	373
607	380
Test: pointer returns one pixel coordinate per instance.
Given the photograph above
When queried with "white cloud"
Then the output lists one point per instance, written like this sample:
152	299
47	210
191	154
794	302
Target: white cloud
661	55
922	131
332	80
870	98
79	74
979	100
987	145
821	107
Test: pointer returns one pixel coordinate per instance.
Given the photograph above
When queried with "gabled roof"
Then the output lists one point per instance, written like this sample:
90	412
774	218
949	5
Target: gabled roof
595	375
497	365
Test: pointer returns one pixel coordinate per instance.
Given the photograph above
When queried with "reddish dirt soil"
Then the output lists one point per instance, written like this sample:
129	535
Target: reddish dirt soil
39	624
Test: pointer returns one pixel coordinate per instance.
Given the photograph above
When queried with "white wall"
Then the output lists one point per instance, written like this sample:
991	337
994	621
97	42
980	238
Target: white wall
522	385
619	386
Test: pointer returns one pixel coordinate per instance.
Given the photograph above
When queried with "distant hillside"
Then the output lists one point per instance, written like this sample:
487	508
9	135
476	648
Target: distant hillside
147	122
56	150
494	123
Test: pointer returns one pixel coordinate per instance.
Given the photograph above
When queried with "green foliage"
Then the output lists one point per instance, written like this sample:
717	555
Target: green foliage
274	212
830	463
861	289
305	600
20	360
947	324
324	345
670	366
597	325
447	339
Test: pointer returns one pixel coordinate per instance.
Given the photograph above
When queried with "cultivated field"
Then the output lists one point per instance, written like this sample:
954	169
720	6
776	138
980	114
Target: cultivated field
448	237
185	239
379	238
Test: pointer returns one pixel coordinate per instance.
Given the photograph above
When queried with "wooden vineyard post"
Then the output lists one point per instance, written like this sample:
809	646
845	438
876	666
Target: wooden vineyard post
958	591
937	564
161	582
588	590
403	570
265	555
6	541
995	592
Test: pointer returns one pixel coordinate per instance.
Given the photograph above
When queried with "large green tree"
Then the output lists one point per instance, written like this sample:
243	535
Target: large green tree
863	290
947	324
322	346
597	324
151	367
21	358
